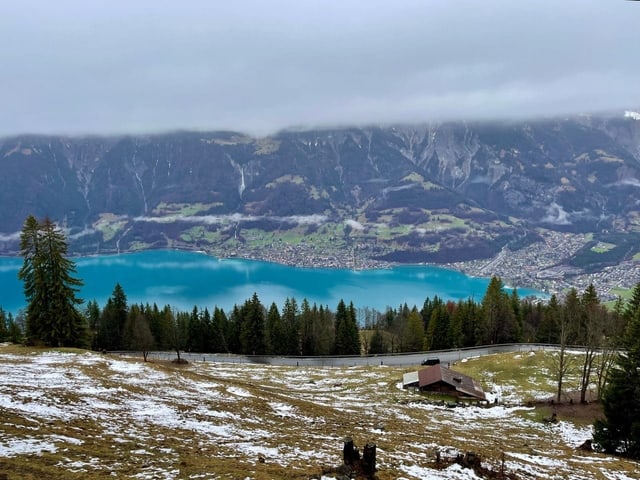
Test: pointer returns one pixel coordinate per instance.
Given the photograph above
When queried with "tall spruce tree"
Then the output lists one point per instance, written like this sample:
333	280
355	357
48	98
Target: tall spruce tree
50	286
4	331
111	332
347	340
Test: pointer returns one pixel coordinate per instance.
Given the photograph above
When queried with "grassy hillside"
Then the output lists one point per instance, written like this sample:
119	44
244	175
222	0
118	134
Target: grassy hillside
80	415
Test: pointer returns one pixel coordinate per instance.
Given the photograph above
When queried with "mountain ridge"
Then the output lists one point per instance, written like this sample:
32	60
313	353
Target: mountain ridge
439	192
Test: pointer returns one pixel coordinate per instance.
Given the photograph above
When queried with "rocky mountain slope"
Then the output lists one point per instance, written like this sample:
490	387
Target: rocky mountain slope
435	192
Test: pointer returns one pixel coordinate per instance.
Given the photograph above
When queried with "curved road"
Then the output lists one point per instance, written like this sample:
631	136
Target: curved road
397	360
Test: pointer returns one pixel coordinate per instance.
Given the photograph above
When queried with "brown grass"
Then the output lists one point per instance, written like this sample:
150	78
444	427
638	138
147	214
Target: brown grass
219	421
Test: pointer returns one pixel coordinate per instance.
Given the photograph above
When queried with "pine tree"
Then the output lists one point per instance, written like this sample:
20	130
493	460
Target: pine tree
324	330
4	332
633	305
275	332
112	321
252	327
291	326
15	333
308	319
219	327
498	322
50	286
347	340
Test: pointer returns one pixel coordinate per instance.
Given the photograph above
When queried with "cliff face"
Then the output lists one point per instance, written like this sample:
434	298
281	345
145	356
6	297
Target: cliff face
434	192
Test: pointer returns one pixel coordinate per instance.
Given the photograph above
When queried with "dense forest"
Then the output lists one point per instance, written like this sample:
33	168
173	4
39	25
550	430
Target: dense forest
302	328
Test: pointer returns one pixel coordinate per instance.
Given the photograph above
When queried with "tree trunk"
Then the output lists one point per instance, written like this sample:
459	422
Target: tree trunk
561	372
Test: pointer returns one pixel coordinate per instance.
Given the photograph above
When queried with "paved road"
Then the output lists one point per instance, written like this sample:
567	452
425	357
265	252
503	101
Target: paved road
408	359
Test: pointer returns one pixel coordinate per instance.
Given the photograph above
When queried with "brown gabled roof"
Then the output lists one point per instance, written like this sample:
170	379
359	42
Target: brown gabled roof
462	383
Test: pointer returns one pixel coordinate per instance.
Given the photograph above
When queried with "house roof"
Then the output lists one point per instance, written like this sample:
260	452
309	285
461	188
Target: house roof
410	379
462	383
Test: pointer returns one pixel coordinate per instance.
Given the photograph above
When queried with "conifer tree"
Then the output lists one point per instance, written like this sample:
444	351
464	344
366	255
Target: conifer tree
15	333
4	332
219	327
252	327
347	340
308	318
633	305
50	286
498	322
324	330
291	326
276	344
112	321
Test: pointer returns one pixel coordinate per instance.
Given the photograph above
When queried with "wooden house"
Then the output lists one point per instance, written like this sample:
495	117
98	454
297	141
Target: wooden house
446	381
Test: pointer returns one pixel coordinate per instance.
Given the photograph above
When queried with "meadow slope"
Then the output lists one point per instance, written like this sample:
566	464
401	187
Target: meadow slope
81	415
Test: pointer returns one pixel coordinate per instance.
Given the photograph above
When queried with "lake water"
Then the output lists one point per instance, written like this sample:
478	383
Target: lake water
185	279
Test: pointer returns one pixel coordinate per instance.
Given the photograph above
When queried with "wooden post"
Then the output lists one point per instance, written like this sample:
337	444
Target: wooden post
347	452
369	459
350	455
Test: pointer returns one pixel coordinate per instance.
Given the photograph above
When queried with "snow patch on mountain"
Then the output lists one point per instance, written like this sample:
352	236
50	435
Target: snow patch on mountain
631	114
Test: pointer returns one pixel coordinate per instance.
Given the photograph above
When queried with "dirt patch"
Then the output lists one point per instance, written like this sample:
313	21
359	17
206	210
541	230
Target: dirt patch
571	409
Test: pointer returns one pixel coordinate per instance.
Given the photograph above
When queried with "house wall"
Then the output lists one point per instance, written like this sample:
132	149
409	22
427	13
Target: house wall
440	387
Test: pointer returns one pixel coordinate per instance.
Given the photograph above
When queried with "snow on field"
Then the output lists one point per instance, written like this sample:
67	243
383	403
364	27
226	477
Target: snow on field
20	446
454	472
146	416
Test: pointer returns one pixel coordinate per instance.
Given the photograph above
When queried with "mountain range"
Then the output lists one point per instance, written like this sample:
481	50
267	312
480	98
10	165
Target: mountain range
438	192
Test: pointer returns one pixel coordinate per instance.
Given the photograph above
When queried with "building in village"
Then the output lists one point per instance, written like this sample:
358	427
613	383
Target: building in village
439	379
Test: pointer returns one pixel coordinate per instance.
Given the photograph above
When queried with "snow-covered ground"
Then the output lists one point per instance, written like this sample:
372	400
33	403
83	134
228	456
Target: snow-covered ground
104	415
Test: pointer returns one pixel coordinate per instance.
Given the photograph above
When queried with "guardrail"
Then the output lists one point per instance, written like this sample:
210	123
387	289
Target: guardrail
398	359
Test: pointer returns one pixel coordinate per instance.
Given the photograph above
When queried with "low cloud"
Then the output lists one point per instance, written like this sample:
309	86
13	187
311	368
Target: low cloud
354	224
234	218
9	237
556	215
258	67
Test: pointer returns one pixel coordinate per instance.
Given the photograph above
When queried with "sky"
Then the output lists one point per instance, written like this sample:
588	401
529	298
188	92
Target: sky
112	66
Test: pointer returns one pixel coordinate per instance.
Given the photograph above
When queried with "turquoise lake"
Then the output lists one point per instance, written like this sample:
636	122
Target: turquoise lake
184	279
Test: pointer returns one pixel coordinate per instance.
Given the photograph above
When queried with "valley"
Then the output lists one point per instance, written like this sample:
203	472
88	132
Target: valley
549	204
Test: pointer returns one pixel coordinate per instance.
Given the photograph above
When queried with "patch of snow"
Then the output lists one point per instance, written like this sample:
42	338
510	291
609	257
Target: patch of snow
240	392
537	459
454	472
21	446
631	114
282	409
573	435
609	475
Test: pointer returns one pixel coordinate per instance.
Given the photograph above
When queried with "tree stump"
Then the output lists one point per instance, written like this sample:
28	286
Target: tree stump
350	454
369	459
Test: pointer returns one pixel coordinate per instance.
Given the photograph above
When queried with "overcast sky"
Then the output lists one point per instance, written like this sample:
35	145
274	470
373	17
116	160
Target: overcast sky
116	66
